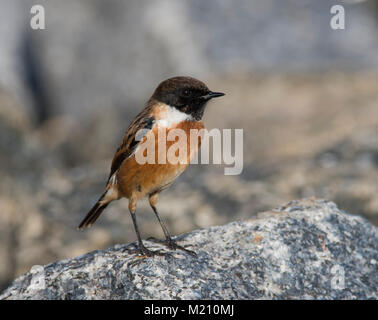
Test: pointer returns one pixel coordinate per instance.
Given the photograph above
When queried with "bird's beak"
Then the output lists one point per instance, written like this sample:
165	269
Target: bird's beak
211	95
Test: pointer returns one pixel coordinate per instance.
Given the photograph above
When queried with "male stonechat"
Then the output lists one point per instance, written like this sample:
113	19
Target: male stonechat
177	103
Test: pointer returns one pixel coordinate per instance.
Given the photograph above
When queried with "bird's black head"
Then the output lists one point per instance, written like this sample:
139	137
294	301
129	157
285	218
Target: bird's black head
186	94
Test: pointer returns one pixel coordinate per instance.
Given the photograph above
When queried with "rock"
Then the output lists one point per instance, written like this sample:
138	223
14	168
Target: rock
305	249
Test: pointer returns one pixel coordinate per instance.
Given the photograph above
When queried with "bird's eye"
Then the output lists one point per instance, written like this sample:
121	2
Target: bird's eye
186	92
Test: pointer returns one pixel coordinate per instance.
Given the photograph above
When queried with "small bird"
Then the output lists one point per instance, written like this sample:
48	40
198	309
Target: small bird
177	103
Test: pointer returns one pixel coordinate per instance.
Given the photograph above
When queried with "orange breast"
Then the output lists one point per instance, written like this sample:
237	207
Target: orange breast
177	147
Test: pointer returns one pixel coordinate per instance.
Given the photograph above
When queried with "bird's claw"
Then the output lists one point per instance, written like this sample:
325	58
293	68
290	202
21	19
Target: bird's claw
171	244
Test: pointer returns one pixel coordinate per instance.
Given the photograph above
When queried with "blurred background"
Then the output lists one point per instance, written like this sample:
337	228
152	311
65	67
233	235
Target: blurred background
306	96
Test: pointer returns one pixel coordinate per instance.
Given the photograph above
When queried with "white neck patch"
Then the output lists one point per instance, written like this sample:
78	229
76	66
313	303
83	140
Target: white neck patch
171	116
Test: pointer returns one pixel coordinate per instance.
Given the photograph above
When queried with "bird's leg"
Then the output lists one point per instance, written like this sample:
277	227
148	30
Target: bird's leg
169	242
141	248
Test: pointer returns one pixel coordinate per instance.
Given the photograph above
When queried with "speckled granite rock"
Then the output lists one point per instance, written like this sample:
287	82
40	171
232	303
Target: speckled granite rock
305	249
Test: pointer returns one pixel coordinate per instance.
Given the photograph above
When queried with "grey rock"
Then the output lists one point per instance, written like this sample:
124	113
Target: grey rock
305	249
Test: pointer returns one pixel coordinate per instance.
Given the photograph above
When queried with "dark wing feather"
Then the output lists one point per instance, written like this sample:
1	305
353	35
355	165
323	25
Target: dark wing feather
128	145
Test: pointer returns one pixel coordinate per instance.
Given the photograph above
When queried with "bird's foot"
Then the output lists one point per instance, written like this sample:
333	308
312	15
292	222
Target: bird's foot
141	250
171	244
174	246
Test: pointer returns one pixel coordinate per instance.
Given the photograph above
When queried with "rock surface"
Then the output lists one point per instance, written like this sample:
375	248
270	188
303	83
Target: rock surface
305	249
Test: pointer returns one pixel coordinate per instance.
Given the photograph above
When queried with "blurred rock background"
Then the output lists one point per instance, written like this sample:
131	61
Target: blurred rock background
305	95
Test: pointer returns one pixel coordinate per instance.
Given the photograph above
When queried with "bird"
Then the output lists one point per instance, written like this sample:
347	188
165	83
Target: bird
176	103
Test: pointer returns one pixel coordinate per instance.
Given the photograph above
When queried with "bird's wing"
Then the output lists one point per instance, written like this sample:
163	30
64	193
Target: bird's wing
144	120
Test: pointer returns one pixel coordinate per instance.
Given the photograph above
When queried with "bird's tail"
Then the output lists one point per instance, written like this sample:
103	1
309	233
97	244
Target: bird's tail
95	212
